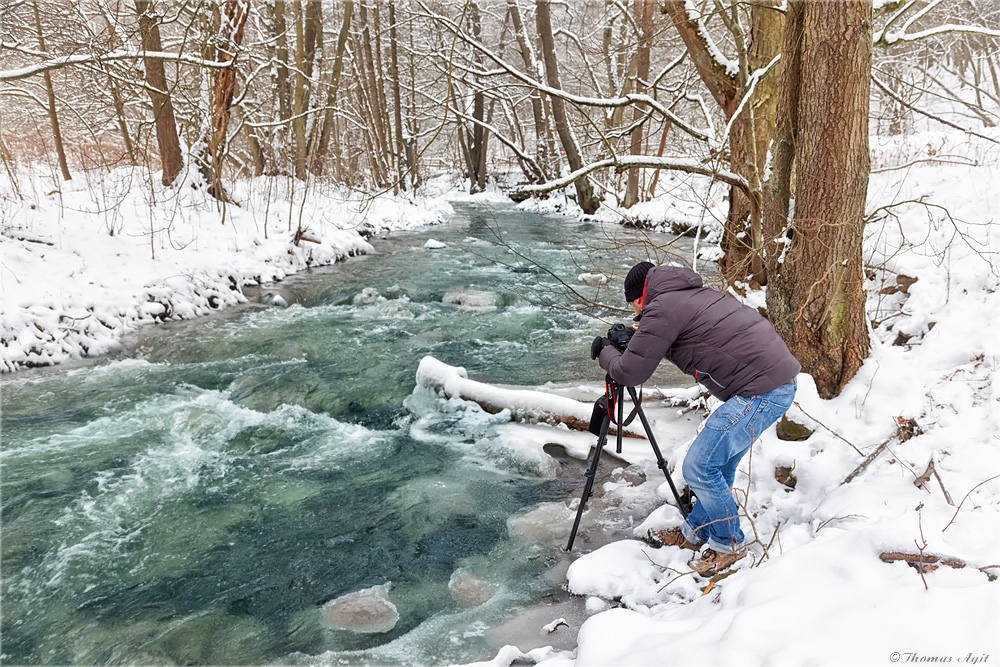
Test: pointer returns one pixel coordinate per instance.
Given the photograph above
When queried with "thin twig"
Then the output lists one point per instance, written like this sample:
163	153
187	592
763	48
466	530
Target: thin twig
966	498
796	404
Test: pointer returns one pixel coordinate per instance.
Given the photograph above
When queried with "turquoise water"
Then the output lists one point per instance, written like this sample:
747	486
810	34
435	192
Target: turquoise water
198	500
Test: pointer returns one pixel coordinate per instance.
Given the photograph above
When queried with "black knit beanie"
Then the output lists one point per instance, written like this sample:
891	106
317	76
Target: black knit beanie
635	281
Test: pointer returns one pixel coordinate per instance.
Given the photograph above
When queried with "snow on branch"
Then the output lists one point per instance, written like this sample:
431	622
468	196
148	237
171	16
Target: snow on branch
640	162
81	59
581	100
525	405
695	16
887	37
899	37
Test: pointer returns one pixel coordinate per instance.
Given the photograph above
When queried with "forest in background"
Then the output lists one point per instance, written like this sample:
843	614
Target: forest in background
775	100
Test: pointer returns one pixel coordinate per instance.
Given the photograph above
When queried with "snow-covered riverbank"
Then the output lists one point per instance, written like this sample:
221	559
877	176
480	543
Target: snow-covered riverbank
85	264
822	586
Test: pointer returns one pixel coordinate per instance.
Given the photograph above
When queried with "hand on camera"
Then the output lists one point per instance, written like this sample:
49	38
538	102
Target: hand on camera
598	345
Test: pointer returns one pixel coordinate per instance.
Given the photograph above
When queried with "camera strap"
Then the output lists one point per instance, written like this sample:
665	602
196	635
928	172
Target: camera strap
609	395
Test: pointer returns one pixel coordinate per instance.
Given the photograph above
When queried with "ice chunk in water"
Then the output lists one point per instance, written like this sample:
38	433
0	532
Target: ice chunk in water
369	296
470	299
467	589
434	244
367	611
549	522
593	279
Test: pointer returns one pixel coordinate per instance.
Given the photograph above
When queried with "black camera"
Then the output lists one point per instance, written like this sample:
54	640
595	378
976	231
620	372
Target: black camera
620	335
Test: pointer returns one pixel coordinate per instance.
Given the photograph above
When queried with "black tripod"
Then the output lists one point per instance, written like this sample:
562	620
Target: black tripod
614	400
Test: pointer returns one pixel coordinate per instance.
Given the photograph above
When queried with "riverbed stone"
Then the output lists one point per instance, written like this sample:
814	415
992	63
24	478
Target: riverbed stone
368	611
467	589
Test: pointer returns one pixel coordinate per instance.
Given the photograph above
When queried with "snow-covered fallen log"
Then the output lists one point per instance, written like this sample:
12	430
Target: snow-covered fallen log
524	405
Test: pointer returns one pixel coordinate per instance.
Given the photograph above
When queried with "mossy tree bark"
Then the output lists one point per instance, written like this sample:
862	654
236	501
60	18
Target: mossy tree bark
815	295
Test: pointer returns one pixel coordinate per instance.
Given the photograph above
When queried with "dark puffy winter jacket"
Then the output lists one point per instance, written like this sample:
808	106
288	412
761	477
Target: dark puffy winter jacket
728	347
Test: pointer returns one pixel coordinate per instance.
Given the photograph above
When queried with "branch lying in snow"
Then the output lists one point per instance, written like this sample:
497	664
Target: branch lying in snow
929	562
524	405
921	482
80	59
905	429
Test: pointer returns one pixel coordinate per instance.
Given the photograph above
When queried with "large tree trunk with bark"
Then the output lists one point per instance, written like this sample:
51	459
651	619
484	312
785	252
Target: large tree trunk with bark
815	293
749	140
585	196
156	83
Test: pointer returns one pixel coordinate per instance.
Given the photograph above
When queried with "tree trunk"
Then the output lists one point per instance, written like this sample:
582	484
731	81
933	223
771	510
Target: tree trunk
751	131
382	106
585	196
751	134
256	152
156	83
480	137
51	95
815	293
543	158
225	82
280	35
367	62
308	24
331	96
644	17
397	101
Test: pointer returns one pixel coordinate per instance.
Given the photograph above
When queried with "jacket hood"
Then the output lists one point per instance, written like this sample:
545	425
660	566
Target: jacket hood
662	279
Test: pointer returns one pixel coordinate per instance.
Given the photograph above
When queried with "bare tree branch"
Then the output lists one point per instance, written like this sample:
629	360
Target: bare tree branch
63	61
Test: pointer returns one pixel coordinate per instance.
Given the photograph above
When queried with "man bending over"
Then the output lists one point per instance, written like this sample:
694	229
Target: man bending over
735	353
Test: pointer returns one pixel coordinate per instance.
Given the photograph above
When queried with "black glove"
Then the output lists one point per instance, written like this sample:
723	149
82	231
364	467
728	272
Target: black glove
598	345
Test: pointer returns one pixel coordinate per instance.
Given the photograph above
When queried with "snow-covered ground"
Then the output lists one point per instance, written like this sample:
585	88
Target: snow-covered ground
814	590
88	262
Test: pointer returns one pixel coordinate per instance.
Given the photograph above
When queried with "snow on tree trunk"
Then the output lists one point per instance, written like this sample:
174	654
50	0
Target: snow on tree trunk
815	291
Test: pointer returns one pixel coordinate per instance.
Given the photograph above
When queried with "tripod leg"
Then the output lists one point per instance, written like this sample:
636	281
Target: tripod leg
660	462
620	428
590	474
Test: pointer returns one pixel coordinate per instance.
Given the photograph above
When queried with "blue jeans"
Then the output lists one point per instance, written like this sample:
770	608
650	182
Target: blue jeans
710	465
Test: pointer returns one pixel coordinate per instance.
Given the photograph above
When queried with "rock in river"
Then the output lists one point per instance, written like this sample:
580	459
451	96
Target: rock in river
367	611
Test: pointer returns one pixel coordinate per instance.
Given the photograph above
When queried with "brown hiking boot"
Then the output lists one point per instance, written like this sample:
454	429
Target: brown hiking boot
670	538
711	561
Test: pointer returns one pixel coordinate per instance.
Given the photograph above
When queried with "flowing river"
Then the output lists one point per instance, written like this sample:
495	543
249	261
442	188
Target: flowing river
200	498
